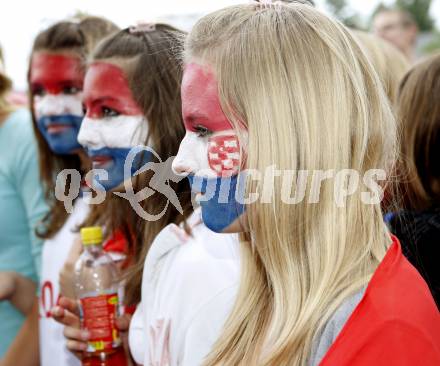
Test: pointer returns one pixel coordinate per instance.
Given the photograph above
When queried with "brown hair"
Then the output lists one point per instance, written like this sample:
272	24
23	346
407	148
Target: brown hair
80	38
419	115
154	73
5	86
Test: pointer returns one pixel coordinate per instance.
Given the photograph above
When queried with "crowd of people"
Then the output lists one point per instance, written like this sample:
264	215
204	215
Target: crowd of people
289	170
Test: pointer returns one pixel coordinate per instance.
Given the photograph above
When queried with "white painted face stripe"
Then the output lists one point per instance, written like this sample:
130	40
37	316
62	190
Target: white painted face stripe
193	156
52	105
114	132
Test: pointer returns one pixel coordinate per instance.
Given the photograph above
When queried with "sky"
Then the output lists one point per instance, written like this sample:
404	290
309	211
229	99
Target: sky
21	20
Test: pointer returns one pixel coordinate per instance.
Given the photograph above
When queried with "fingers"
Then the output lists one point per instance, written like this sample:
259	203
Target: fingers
69	304
76	347
77	335
65	317
123	322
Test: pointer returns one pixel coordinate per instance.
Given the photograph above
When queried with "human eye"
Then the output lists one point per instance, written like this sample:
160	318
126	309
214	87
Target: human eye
38	90
202	131
70	90
109	112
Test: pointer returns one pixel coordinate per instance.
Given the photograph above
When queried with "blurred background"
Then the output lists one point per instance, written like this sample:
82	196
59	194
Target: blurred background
21	20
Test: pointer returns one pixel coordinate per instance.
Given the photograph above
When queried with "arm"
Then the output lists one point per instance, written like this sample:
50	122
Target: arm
17	289
24	351
206	327
29	188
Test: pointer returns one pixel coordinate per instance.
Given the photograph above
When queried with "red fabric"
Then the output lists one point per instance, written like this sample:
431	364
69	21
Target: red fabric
396	322
116	243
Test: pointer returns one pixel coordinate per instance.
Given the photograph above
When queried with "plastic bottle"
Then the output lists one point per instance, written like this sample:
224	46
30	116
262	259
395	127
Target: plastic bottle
97	289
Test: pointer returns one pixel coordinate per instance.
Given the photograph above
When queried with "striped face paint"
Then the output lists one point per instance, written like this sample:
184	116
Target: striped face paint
113	125
210	150
56	84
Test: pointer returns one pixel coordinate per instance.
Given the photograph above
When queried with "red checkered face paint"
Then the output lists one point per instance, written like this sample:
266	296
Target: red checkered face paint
211	147
224	154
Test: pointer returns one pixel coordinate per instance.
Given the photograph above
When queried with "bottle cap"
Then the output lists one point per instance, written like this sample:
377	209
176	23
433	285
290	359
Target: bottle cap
91	235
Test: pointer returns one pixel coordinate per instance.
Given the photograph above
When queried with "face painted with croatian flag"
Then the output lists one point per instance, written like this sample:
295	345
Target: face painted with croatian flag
56	84
210	151
113	125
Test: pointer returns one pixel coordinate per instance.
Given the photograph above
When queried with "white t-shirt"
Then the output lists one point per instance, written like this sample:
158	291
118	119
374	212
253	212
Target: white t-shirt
53	351
189	286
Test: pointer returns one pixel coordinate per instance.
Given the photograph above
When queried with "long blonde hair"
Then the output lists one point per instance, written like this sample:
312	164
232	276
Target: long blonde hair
310	99
389	62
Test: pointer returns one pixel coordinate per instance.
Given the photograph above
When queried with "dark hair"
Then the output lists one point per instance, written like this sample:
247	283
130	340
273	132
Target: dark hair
154	74
80	38
5	83
419	115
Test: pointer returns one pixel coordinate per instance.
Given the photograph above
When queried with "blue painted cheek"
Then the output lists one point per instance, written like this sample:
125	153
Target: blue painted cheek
223	198
65	142
115	167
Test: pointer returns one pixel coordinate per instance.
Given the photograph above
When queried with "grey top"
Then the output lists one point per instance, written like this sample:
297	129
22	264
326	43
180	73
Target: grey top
327	336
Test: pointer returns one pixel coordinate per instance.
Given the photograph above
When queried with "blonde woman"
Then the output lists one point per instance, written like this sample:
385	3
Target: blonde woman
282	90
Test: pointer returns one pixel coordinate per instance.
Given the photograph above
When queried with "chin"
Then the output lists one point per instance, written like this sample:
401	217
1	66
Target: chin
221	223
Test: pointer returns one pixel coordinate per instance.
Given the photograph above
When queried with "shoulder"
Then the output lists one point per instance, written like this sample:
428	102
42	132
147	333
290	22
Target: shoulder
325	338
386	343
199	263
20	122
19	133
397	288
188	287
191	253
191	266
396	308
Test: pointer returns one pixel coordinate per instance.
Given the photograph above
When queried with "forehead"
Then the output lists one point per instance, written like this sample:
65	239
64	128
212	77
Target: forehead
199	80
385	18
200	90
106	78
52	67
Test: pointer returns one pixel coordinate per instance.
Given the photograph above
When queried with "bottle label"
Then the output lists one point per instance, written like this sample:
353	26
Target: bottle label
98	317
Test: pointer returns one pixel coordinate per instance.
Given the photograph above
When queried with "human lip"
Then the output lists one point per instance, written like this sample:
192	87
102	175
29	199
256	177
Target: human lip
99	161
55	128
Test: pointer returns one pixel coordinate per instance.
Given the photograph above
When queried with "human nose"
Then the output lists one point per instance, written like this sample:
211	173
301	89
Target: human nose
87	135
183	163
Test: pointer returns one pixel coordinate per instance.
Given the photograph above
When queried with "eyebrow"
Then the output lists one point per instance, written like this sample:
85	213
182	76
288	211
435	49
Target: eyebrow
195	116
60	82
103	99
69	81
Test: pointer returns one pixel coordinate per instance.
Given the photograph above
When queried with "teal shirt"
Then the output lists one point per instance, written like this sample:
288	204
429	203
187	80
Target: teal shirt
22	206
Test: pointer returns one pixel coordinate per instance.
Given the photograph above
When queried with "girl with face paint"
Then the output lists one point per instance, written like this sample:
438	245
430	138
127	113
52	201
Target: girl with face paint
132	97
56	77
22	207
322	283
